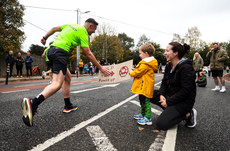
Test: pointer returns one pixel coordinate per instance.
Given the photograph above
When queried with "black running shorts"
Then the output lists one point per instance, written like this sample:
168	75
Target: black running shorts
217	73
48	64
58	59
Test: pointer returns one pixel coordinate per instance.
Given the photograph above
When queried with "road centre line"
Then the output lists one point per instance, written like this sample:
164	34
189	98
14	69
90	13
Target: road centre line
170	138
77	127
157	112
99	138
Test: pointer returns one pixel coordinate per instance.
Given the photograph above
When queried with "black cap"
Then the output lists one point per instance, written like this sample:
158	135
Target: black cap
91	20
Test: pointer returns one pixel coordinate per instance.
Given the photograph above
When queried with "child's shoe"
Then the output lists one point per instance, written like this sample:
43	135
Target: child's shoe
145	121
138	116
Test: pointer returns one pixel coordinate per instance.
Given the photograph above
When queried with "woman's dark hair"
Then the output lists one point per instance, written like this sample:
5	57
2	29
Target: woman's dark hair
182	50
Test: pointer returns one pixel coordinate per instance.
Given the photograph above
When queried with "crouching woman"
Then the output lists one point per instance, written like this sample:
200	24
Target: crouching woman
177	93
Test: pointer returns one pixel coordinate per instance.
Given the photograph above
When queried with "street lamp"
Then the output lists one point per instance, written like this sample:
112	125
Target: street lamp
79	22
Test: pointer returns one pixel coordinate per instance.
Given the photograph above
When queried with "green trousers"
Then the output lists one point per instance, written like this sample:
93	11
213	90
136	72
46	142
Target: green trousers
145	106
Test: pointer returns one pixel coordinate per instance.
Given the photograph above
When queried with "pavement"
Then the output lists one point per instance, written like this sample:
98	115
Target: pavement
14	79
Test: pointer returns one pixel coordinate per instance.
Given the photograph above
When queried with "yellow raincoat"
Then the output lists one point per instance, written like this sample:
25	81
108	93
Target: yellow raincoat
143	74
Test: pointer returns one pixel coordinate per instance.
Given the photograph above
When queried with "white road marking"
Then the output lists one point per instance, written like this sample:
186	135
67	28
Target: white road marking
16	91
157	112
103	86
170	139
158	142
77	127
99	138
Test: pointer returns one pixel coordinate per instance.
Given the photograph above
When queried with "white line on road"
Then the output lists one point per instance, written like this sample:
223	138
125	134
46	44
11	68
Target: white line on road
157	112
99	138
77	127
170	139
158	142
80	91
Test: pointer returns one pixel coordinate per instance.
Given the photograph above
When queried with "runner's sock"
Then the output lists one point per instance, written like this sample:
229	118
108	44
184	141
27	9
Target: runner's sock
38	99
67	102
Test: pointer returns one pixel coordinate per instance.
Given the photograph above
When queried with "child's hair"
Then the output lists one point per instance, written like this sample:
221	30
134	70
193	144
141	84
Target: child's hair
149	48
202	73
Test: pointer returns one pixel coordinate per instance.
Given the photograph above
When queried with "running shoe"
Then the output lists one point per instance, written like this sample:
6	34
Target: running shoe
70	108
216	89
138	116
191	121
145	121
28	111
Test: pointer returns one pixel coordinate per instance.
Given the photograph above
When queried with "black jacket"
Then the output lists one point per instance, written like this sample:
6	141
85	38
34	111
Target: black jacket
178	86
10	59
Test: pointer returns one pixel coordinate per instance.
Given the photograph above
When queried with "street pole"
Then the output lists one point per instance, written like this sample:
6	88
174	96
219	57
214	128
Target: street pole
78	47
79	22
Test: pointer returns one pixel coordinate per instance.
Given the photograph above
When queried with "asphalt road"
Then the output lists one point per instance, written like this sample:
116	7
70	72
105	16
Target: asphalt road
104	120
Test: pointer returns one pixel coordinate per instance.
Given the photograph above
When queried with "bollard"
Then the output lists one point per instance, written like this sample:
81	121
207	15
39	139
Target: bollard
7	73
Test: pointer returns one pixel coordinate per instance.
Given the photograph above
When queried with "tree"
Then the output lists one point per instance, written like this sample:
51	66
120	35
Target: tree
192	37
203	55
142	40
36	49
107	46
159	53
11	35
127	43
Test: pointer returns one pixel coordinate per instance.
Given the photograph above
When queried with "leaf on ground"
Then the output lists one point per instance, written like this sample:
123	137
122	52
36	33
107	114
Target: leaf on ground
140	128
156	131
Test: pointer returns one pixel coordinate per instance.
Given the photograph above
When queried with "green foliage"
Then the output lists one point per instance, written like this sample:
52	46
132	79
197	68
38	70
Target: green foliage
192	37
107	46
203	55
127	43
11	35
36	49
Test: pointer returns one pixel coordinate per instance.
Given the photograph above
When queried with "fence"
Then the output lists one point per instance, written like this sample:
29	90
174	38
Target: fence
38	60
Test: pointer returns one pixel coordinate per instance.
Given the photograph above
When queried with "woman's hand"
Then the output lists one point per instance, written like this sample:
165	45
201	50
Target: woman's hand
163	101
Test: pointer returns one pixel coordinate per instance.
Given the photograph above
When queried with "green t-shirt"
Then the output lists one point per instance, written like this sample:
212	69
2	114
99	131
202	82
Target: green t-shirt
71	35
46	53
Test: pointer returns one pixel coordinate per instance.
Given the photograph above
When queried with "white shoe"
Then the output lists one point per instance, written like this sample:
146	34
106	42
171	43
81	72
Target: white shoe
216	89
223	90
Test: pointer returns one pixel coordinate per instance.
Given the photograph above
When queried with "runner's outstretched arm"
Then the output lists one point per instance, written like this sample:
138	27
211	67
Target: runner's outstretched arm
49	33
92	58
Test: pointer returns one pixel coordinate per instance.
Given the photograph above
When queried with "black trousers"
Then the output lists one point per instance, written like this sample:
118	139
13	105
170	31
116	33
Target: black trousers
28	69
19	70
170	115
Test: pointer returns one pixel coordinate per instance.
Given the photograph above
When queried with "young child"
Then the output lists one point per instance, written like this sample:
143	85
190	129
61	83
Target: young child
143	83
202	80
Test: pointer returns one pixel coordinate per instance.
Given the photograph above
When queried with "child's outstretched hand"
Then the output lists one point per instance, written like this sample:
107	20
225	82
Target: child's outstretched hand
131	70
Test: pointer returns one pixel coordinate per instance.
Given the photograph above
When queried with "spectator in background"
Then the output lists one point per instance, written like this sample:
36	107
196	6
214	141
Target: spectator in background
19	64
217	57
10	62
81	66
90	68
102	61
227	69
209	70
202	80
197	63
28	62
160	68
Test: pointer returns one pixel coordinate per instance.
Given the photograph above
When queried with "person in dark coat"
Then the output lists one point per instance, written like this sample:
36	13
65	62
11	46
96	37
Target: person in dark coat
10	62
177	93
28	61
19	64
202	80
